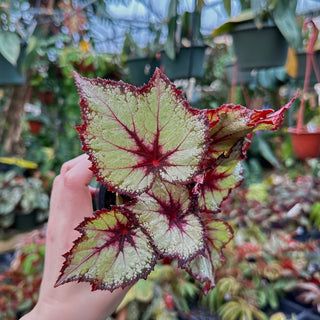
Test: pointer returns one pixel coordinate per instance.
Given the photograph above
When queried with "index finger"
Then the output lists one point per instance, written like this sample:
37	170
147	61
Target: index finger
77	172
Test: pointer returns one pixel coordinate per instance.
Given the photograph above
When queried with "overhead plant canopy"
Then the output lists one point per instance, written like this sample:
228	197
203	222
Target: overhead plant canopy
106	23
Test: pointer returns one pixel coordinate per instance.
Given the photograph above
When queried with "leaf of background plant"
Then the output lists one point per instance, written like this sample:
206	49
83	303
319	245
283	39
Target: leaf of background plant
111	253
284	16
142	291
10	46
218	234
134	134
245	15
164	212
315	213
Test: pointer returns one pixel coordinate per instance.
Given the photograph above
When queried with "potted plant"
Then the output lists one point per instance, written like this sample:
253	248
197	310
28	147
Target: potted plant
20	284
23	201
142	62
306	141
270	26
175	163
35	123
261	269
184	53
164	294
13	45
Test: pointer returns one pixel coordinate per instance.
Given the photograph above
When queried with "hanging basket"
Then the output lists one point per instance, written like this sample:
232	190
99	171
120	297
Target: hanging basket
302	60
259	48
189	62
142	69
305	144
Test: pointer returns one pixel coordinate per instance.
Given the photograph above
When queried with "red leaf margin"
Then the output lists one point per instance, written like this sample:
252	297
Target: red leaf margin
158	75
96	285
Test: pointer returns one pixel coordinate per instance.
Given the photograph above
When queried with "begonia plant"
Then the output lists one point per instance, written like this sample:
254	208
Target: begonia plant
175	163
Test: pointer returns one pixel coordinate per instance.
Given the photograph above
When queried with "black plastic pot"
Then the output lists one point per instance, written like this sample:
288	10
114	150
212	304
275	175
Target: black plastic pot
5	260
142	69
189	62
302	57
308	315
302	312
259	48
289	307
104	198
25	222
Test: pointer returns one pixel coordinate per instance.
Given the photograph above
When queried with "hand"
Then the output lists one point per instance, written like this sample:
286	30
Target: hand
70	202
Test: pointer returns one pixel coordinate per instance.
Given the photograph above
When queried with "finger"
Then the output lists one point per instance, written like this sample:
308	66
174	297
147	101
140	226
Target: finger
71	163
79	173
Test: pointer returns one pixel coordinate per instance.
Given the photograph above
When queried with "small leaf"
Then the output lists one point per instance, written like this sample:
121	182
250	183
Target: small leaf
230	123
218	235
218	182
10	46
164	212
134	134
111	253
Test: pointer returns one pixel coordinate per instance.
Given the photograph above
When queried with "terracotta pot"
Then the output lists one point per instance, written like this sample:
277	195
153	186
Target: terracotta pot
46	97
305	144
35	126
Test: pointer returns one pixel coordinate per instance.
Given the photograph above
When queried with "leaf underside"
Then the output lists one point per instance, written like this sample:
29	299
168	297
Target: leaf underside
134	134
111	253
176	164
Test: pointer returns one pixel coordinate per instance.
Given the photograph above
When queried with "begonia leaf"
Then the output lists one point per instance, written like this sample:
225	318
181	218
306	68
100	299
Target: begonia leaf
174	164
217	182
134	134
111	253
165	212
203	267
229	123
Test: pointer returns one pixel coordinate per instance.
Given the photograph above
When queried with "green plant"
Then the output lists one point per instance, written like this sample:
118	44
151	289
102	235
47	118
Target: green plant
189	34
10	40
315	214
163	295
282	12
176	164
19	286
260	268
278	201
19	194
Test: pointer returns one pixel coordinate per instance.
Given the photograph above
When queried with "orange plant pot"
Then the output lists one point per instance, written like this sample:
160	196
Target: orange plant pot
305	144
35	126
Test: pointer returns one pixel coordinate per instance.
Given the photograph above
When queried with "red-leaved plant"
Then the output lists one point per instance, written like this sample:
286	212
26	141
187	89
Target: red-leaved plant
176	163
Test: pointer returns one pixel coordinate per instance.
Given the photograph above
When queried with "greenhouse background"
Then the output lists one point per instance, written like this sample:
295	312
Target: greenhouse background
247	72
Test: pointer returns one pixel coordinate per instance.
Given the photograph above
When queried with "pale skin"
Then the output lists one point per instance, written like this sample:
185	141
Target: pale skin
70	203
